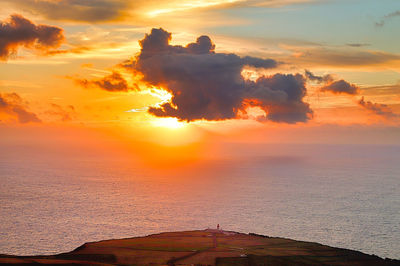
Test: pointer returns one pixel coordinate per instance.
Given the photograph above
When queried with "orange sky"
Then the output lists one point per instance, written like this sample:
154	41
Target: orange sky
66	74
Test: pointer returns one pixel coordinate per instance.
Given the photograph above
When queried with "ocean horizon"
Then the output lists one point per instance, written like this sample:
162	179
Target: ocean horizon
339	195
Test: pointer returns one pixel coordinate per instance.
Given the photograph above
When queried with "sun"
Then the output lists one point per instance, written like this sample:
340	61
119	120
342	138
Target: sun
170	123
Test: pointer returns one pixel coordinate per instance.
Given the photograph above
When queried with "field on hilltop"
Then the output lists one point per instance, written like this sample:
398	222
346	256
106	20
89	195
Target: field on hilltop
203	247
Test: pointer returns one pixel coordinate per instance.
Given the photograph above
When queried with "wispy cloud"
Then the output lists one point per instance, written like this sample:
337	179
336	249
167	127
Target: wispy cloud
73	10
63	114
378	109
339	57
138	110
113	82
357	44
277	3
382	22
114	10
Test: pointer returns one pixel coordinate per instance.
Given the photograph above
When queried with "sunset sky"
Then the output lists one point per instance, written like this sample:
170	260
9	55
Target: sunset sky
190	74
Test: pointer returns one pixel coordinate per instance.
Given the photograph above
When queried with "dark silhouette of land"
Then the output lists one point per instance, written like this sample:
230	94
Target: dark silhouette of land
203	247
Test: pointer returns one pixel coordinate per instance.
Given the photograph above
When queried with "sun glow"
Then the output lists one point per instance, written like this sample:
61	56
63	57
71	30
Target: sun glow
158	93
170	123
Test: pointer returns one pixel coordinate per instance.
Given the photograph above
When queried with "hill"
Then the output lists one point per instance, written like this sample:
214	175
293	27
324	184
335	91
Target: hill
203	247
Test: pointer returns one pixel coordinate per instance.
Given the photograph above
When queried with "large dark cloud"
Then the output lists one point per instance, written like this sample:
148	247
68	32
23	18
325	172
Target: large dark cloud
378	109
18	31
13	105
209	85
341	87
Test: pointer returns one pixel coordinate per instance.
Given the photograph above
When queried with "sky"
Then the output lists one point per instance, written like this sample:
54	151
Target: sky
189	75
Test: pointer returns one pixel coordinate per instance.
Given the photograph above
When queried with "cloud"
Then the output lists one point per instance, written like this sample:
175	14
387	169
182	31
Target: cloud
18	31
13	105
357	44
393	14
336	87
322	56
209	85
74	50
112	82
382	22
75	10
256	3
136	10
344	87
320	79
341	87
378	109
63	114
387	91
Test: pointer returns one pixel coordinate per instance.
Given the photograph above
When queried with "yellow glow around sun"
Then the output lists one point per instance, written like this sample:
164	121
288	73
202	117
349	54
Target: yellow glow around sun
170	122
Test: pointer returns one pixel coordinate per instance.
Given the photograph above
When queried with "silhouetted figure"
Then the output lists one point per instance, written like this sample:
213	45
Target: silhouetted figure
217	226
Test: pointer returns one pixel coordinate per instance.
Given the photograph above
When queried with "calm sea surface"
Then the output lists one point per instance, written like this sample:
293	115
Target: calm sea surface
343	196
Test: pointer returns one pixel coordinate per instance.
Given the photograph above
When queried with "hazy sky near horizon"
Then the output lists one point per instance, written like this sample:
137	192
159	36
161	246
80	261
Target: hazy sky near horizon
318	71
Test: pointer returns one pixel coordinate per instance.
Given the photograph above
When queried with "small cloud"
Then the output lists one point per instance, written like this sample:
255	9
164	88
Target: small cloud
341	87
62	113
382	22
320	79
357	44
74	50
336	87
378	109
113	82
18	31
13	105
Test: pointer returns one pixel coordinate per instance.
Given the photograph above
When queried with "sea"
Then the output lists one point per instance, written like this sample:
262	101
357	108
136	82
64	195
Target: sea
344	196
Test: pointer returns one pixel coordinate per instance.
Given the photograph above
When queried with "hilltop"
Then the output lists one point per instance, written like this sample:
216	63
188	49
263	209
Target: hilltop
203	247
